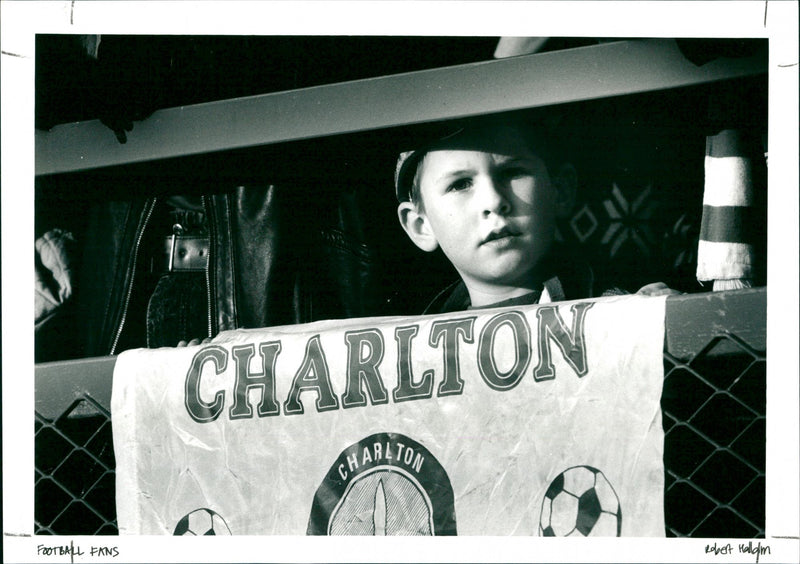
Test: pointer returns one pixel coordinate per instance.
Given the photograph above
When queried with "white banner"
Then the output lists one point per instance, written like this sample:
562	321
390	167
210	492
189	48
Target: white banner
540	420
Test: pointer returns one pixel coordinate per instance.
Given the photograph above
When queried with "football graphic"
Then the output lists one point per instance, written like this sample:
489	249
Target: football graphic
201	522
580	502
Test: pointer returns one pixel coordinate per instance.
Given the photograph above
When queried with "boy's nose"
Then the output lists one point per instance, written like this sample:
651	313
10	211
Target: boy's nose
493	198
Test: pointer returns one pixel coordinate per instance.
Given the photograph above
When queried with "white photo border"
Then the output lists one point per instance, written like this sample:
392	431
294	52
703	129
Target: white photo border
775	20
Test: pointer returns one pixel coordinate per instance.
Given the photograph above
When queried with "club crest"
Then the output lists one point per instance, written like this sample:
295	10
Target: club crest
385	484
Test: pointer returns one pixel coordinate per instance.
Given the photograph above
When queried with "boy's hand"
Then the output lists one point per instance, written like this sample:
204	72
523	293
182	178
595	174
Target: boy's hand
193	342
657	289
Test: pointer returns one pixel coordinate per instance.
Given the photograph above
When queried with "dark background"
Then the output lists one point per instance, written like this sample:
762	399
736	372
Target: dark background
639	157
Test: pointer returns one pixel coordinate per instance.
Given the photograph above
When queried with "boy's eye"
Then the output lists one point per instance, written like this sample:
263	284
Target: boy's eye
459	184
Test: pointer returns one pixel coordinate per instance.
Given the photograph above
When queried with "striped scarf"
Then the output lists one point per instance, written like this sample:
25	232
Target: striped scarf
725	252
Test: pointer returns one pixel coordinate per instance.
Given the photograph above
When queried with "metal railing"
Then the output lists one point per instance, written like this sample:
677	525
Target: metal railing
714	417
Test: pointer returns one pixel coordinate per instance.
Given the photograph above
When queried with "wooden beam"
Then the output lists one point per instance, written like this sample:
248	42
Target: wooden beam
585	73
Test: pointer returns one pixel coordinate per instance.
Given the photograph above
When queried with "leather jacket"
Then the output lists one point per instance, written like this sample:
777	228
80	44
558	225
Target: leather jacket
275	258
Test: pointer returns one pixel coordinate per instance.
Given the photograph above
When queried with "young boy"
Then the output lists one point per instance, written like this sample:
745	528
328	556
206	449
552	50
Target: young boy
489	195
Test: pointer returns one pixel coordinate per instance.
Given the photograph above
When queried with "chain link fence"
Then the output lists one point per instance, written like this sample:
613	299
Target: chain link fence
714	417
74	462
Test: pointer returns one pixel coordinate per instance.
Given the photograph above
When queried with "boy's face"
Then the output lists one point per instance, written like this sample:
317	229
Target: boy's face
491	206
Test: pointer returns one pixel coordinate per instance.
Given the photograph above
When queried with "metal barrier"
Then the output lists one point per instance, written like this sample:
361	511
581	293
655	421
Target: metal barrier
714	417
74	462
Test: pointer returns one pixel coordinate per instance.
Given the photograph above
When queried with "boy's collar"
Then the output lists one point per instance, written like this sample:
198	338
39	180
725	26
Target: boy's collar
575	278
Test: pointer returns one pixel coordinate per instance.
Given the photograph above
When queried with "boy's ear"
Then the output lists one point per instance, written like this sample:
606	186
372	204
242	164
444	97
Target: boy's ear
417	226
566	183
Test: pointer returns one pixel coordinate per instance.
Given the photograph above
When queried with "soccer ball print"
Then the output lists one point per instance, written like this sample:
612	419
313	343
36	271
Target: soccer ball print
202	522
580	502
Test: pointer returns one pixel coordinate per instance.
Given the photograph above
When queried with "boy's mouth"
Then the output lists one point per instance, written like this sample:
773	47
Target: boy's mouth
498	234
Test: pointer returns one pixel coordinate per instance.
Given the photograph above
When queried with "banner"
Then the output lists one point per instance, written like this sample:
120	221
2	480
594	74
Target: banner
536	420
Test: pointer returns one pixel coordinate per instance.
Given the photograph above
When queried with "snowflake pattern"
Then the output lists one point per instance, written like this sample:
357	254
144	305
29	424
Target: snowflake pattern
630	221
583	223
681	243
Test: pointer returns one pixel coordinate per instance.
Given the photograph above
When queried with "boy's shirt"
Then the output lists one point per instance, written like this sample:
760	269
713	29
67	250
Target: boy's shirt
565	276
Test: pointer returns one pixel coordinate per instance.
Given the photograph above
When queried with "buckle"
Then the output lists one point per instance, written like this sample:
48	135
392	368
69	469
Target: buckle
184	253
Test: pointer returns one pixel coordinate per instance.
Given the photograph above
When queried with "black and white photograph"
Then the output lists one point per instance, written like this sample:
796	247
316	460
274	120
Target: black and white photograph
357	269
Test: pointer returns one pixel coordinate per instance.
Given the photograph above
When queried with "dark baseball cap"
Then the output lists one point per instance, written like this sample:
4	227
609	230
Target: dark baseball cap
465	135
408	161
